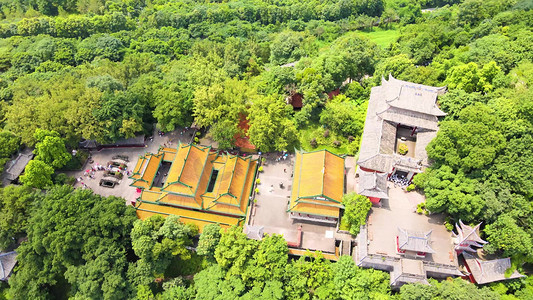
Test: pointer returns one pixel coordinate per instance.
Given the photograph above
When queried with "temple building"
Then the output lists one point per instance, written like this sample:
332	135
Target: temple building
480	271
373	185
408	271
195	183
401	120
413	243
486	271
467	237
318	186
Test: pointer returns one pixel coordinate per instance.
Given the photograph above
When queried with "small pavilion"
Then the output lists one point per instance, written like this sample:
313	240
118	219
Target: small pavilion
195	183
480	271
318	186
467	237
413	243
373	185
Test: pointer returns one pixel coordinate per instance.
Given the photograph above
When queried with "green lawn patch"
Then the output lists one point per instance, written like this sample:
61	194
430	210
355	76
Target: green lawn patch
382	37
317	132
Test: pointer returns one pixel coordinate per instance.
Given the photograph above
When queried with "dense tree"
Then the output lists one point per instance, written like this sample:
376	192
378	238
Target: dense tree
451	192
15	205
287	48
37	174
234	251
356	208
79	236
344	117
9	144
50	148
270	126
471	142
304	277
448	289
209	240
506	235
156	241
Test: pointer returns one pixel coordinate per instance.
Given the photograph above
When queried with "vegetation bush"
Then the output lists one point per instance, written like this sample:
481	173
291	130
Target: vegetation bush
77	161
314	143
410	187
402	149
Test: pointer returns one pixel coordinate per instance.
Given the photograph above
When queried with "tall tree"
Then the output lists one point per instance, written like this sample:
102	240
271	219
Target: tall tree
15	205
356	208
80	236
156	241
50	148
209	240
270	126
37	174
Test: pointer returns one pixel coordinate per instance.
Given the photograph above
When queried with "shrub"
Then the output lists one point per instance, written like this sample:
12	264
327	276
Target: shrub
256	190
60	178
353	147
260	169
410	187
313	143
77	161
196	139
403	149
448	226
258	181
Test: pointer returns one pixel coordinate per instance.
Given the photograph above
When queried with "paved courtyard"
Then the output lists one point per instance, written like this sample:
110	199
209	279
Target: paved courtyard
270	210
123	189
400	211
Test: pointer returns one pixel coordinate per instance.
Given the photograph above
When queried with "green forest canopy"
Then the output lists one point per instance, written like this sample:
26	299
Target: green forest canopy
105	70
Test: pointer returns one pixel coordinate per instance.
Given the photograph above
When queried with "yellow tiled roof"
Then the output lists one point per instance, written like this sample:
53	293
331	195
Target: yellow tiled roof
318	183
148	195
194	166
233	198
139	167
149	171
184	191
316	209
168	153
146	210
228	173
187	169
334	177
179	200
